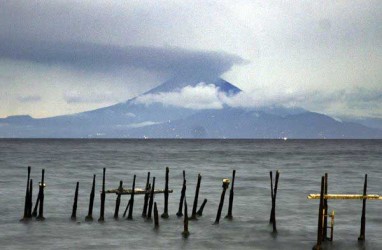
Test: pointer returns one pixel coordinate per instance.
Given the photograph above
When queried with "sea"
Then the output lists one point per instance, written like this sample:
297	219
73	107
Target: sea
301	163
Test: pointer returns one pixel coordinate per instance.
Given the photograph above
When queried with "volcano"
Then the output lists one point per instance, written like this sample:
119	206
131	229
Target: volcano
132	119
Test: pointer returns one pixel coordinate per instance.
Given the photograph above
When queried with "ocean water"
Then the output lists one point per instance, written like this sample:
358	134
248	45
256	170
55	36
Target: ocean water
301	164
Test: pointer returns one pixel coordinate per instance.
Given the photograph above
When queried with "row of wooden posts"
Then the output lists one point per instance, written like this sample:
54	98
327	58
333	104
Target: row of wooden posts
322	228
149	204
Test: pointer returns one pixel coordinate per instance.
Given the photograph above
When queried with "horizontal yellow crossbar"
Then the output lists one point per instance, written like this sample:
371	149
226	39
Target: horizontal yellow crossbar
346	196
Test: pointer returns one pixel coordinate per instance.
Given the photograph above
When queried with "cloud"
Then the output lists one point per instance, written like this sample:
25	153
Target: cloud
201	96
209	96
316	50
29	98
360	101
175	62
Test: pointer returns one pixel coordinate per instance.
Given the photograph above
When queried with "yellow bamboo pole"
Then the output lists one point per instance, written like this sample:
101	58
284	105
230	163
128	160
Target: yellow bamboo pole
345	197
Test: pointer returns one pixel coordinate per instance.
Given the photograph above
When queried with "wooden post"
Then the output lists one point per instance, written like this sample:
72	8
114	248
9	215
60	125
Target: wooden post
183	192
130	216
325	229
74	210
320	215
151	200
165	212
193	216
229	214
200	211
185	233
118	200
274	202
89	217
103	196
41	197
225	186
363	217
156	216
147	195
26	204
29	212
34	214
271	215
127	207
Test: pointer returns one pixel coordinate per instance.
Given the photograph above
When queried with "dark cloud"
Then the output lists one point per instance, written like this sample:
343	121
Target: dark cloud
177	62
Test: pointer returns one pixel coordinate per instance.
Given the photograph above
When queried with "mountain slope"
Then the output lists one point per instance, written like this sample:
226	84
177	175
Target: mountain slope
156	120
241	123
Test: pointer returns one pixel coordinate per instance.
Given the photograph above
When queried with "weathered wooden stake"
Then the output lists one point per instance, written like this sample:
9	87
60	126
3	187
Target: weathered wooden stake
185	232
229	214
363	217
156	216
40	216
193	216
103	196
225	186
320	215
271	215
200	211
34	214
127	207
274	202
130	216
325	229
165	212
89	217
26	205
147	195
151	200
183	192
29	212
118	200
74	210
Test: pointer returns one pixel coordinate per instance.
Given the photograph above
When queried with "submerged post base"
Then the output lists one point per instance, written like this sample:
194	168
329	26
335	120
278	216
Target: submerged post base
89	218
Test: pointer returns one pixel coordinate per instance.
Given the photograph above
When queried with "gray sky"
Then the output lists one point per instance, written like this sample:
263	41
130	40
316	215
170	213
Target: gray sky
60	57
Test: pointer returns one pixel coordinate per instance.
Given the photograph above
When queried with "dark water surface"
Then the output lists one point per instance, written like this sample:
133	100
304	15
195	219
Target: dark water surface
301	163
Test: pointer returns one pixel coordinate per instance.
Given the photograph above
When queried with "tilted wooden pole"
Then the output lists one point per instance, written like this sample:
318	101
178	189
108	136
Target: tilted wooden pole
103	196
225	186
29	212
165	212
200	211
195	206
26	205
147	195
130	216
118	200
271	215
156	216
74	209
363	217
185	232
231	193
320	215
151	200
183	192
89	217
325	232
41	197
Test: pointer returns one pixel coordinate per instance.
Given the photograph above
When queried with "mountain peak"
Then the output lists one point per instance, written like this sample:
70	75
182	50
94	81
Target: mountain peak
175	84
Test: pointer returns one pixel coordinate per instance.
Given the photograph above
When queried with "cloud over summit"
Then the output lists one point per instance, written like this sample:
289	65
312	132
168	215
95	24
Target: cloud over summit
176	62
